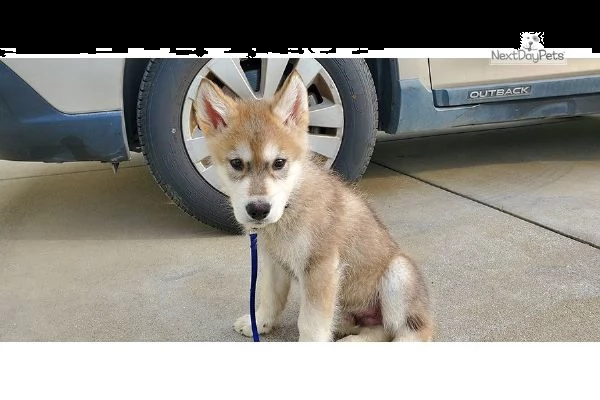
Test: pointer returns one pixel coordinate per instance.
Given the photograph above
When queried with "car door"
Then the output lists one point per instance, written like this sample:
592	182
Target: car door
511	76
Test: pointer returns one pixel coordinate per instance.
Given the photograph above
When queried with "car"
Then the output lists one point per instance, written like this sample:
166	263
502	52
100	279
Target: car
58	110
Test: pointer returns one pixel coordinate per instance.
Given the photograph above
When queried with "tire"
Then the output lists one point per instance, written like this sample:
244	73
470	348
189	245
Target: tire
167	133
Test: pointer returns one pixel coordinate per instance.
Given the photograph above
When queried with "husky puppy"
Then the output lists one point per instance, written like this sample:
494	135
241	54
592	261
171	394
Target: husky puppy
354	282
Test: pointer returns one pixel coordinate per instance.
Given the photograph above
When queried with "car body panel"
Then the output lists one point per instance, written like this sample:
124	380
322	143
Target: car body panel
74	85
419	115
523	90
415	68
467	72
444	95
31	129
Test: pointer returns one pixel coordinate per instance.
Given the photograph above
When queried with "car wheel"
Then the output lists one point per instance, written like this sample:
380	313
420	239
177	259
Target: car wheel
343	121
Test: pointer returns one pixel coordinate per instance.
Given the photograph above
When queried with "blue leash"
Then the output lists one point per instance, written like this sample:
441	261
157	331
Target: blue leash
254	255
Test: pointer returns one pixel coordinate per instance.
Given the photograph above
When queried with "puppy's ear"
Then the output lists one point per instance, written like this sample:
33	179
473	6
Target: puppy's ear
212	107
291	102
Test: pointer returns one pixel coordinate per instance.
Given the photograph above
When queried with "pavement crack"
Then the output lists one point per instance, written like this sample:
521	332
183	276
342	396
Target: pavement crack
467	197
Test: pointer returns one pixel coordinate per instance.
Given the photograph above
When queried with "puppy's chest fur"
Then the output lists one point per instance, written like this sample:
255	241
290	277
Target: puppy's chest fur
306	227
291	251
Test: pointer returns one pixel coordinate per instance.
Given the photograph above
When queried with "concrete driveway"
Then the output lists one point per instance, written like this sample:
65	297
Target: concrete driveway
504	223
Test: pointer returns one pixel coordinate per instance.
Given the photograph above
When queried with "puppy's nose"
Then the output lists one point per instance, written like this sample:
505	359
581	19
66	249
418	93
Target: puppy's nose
258	210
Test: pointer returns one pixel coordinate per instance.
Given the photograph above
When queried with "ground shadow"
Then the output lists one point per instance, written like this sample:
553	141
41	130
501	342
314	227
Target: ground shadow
95	205
576	139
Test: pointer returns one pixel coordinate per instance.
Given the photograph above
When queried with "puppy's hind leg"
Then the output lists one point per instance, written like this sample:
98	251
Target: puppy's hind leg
405	303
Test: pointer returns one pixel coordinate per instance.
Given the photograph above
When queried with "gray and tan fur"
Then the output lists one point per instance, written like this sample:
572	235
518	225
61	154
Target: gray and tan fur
354	282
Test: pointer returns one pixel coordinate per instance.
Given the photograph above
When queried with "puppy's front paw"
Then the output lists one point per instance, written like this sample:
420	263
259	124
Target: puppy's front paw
244	326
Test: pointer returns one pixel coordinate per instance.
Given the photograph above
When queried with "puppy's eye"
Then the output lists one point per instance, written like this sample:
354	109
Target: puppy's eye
278	164
236	164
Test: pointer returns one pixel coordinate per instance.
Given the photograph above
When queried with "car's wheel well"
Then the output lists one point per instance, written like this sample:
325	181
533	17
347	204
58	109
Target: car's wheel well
132	77
385	77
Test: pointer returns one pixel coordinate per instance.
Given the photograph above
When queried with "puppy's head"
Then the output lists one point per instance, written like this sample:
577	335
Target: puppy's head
257	146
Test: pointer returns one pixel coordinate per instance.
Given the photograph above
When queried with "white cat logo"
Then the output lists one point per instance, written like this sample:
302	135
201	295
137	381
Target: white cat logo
532	41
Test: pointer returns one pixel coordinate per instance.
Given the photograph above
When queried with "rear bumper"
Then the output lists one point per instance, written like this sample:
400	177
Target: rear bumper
33	130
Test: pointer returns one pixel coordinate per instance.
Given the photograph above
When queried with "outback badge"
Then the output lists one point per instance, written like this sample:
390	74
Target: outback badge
500	92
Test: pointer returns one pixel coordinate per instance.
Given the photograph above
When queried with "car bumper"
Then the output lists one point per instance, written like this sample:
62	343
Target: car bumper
33	130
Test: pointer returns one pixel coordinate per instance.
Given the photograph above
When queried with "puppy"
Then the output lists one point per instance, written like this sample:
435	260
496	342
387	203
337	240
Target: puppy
354	282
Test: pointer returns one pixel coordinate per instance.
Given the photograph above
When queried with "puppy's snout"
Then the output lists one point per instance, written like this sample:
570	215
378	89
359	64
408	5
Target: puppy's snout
258	210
